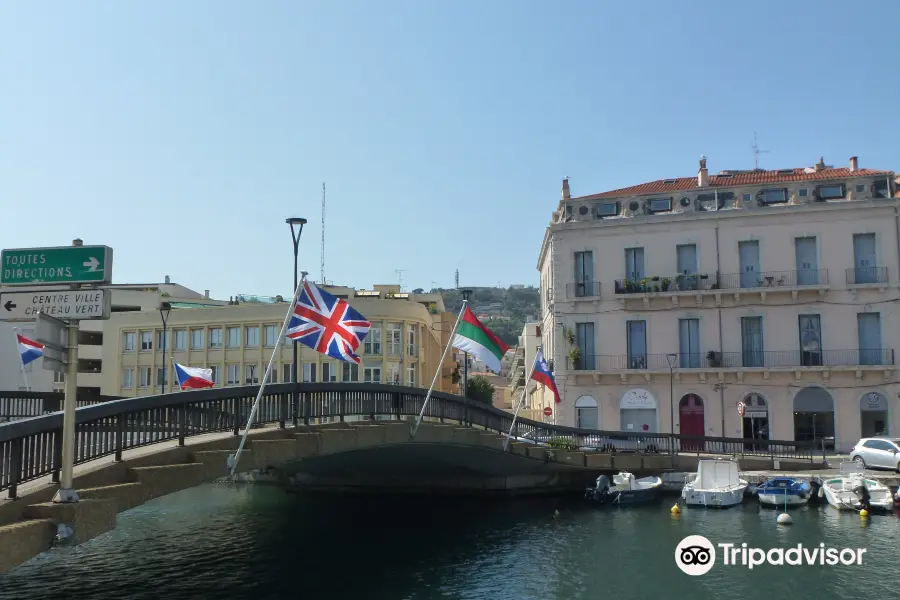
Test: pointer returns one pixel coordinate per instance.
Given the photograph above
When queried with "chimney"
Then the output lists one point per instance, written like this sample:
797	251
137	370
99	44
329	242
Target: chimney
565	189
168	281
854	165
77	243
206	294
703	174
821	164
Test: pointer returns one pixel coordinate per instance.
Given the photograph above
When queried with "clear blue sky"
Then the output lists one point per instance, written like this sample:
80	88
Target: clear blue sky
182	133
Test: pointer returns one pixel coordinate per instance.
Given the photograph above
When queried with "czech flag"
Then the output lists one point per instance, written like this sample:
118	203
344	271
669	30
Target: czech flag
29	350
193	378
542	374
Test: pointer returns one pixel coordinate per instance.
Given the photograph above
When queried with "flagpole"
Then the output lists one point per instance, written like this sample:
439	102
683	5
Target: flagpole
15	331
521	401
440	366
262	386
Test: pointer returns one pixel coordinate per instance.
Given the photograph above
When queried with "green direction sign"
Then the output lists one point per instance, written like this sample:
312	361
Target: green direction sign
65	264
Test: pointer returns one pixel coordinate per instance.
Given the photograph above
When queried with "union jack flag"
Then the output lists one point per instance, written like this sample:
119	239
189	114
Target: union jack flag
327	324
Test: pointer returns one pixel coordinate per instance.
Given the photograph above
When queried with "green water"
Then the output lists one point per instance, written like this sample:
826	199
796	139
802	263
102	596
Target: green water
259	543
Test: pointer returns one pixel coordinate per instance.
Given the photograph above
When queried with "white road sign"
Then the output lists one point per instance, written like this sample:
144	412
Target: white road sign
76	305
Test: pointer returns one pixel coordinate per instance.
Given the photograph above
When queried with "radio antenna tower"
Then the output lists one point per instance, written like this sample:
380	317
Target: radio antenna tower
456	279
322	265
399	273
756	152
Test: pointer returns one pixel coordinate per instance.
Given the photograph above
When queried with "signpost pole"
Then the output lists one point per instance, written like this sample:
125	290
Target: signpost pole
66	492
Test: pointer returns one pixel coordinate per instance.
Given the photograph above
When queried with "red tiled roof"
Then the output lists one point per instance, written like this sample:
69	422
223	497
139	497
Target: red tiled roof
681	184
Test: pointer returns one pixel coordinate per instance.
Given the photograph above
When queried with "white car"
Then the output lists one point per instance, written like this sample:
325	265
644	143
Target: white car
877	453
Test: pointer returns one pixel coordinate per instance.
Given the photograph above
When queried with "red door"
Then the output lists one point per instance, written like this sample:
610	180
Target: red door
690	411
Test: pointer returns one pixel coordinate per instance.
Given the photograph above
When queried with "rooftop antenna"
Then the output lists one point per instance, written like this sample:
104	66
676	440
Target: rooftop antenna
399	273
322	265
756	152
456	279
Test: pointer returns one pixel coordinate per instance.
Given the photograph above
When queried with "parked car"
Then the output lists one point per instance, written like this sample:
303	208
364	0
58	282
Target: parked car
877	453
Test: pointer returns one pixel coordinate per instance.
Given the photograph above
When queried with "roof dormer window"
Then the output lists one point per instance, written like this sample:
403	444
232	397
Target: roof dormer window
656	205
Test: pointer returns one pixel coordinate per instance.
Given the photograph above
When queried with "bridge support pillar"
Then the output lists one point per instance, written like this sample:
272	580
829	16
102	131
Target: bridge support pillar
86	518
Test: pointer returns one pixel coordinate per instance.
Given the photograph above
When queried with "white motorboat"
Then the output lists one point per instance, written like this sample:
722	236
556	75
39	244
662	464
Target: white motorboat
852	491
716	485
625	489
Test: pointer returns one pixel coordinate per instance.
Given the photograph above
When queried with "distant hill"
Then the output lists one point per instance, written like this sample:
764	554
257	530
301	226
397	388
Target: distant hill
508	308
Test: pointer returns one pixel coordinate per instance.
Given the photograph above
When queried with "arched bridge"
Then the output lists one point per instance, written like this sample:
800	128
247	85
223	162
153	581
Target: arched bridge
325	435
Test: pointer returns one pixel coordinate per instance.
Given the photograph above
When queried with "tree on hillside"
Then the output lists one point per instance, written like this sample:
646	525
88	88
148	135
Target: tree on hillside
418	291
481	389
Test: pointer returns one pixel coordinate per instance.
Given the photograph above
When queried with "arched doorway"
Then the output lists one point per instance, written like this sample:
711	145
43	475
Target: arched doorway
755	423
873	414
587	414
814	416
691	421
637	412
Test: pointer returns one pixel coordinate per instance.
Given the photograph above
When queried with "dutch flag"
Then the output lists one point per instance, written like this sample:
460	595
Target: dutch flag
29	350
193	378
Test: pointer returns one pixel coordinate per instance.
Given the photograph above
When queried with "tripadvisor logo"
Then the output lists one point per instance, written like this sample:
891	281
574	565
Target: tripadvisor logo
696	555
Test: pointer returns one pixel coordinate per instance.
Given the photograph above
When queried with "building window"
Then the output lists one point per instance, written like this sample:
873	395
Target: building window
309	372
860	188
584	340
287	374
161	377
747	197
372	374
270	333
232	374
233	339
251	374
372	343
216	374
393	376
689	343
607	209
774	196
181	339
350	371
251	337
656	205
804	192
634	264
128	377
129	342
869	327
752	345
584	274
215	337
411	376
830	192
810	340
394	339
411	340
146	341
144	377
329	373
273	376
163	339
636	332
196	339
60	377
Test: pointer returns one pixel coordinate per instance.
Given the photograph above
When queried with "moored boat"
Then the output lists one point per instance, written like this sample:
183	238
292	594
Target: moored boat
783	491
624	490
716	485
852	491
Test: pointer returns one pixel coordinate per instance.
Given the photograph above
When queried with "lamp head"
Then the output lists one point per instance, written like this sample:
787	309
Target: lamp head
672	360
295	221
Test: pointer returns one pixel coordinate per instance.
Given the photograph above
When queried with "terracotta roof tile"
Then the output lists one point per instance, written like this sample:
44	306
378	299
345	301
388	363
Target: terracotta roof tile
681	184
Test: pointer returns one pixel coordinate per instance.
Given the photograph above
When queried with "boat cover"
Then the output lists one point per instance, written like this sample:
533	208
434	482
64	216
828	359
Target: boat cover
715	474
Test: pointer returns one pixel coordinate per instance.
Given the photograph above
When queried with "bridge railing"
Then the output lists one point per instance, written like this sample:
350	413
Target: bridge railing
22	405
31	448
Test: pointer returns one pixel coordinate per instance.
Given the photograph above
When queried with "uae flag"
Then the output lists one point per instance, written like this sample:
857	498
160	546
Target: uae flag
479	341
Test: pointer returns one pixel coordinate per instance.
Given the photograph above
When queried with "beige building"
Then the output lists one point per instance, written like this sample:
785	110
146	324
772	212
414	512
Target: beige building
523	360
404	345
770	293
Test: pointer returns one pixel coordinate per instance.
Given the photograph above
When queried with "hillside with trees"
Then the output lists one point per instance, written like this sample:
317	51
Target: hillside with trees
508	308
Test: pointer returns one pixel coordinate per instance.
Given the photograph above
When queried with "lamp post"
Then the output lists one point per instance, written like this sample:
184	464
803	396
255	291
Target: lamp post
296	224
672	360
164	309
720	387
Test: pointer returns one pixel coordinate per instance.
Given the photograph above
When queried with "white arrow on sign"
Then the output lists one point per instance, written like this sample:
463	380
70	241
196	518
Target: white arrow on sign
92	263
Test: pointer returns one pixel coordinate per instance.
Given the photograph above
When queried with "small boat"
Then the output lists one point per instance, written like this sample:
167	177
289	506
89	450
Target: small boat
852	491
783	491
716	485
625	489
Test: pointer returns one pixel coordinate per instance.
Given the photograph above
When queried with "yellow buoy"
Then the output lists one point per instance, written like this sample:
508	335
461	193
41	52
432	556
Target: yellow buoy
675	509
863	513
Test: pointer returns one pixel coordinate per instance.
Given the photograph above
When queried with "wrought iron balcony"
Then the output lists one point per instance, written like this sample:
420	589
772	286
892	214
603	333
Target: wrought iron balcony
657	284
583	289
773	279
864	275
760	359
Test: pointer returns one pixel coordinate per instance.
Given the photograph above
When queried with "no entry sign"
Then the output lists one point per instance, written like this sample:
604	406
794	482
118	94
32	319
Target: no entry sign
548	411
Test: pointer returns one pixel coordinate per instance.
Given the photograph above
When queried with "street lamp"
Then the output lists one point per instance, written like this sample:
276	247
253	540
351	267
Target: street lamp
296	224
672	360
720	387
164	309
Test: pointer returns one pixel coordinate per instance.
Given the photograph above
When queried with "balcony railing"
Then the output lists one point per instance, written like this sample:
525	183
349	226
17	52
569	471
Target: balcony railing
732	360
773	279
865	275
583	289
657	284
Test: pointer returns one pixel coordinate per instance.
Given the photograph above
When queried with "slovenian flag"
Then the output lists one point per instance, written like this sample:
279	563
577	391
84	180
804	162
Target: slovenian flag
29	350
542	374
193	378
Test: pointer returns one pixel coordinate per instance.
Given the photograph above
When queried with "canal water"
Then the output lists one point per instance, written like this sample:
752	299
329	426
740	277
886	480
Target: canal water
260	543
